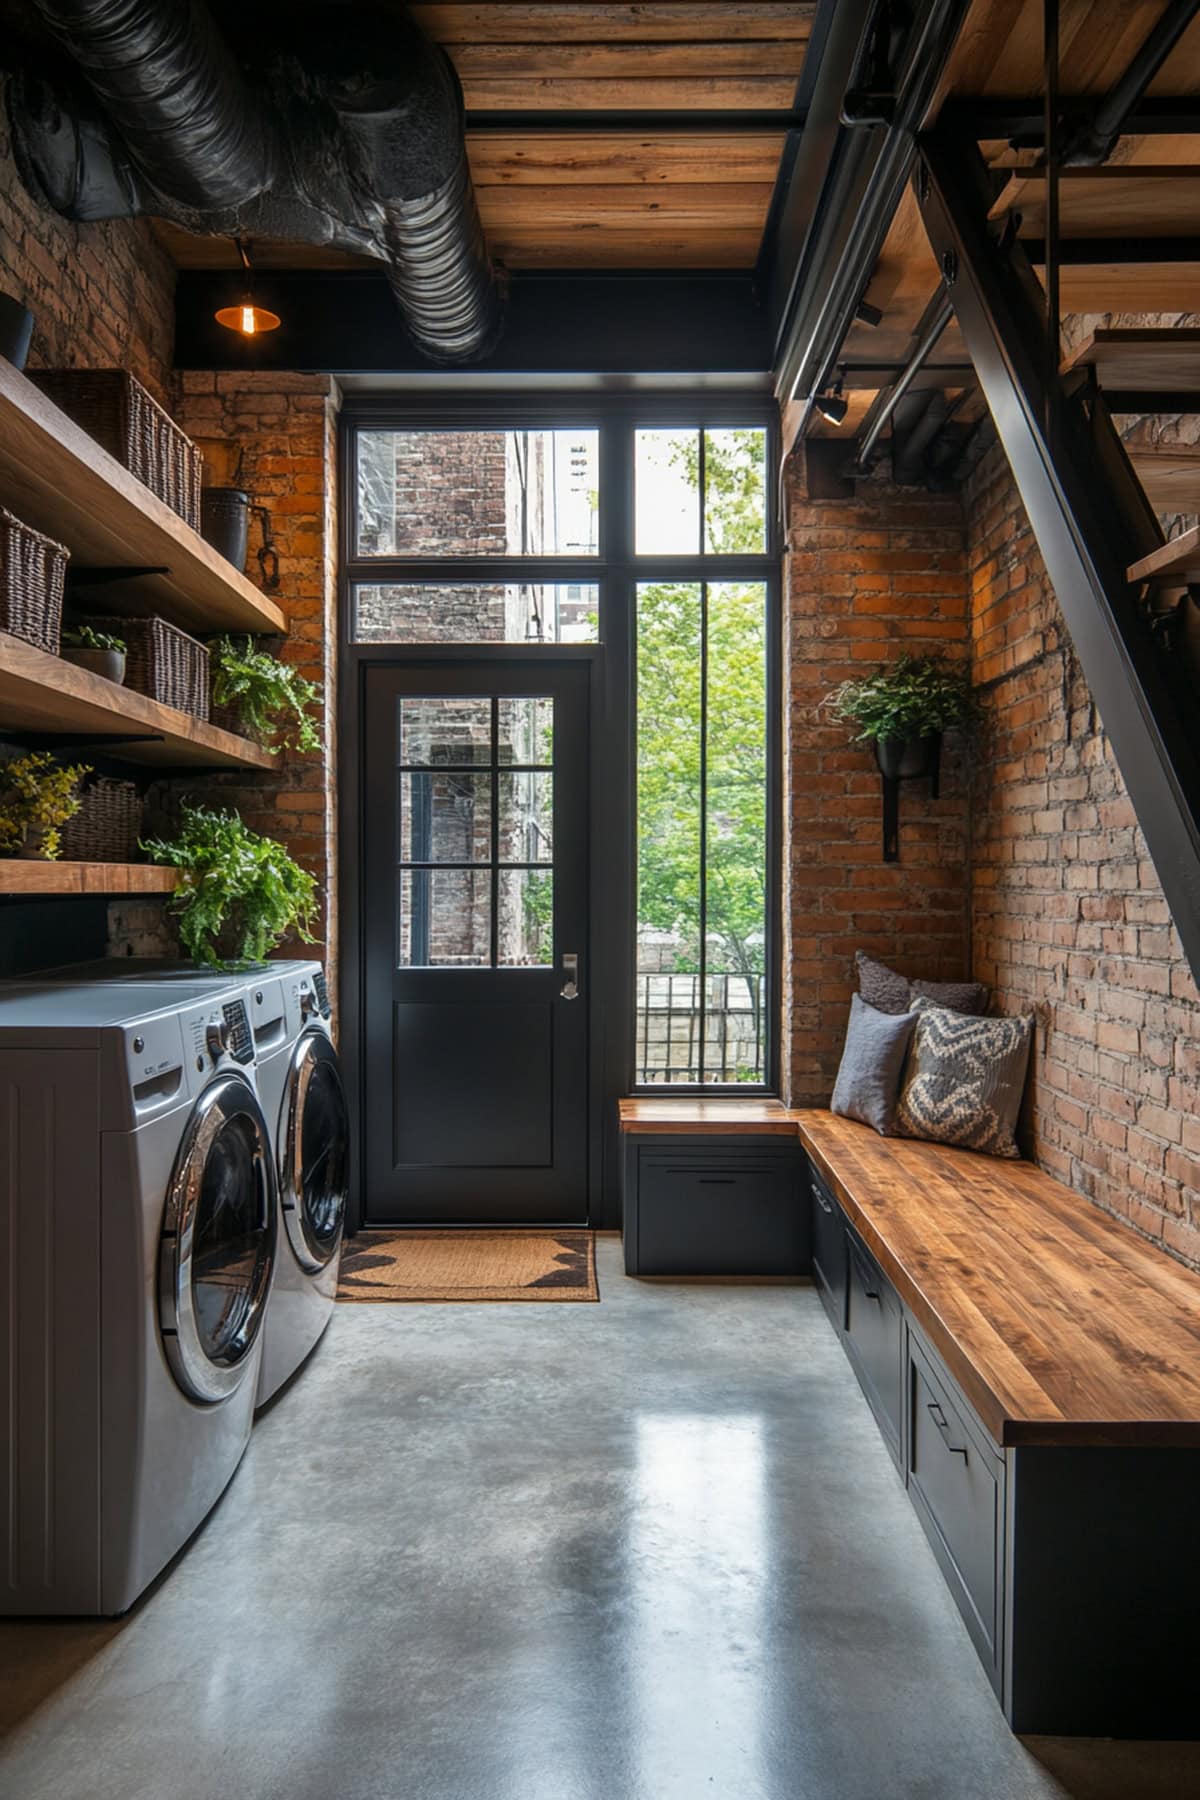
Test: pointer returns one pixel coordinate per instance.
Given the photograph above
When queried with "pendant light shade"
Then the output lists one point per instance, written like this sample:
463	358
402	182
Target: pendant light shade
246	316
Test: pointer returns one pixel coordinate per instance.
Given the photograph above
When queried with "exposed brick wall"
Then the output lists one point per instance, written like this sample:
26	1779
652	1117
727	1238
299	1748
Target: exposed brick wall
864	580
102	295
1068	916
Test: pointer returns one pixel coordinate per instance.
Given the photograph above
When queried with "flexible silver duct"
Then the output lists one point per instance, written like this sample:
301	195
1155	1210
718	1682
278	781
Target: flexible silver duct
362	151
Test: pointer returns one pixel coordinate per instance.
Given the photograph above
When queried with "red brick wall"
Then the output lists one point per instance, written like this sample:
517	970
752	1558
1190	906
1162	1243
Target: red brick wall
1067	914
864	580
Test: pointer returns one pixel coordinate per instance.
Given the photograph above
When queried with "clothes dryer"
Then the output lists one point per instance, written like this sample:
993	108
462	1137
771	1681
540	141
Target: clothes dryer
139	1201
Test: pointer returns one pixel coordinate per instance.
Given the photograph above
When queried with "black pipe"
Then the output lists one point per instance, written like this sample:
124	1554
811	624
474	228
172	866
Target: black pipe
942	314
1093	140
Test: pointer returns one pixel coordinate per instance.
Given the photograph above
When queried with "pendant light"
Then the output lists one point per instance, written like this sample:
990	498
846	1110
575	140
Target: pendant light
247	318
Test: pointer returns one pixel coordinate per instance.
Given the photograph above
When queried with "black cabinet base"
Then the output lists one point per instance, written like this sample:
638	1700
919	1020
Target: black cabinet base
714	1206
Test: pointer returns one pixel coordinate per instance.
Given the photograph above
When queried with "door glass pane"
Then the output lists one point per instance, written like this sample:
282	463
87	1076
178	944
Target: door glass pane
445	918
667	492
735	493
526	817
445	816
669	641
526	731
478	493
437	731
228	1240
526	918
736	837
527	612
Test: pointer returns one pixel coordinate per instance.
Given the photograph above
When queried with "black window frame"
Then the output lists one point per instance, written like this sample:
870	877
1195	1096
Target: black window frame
616	570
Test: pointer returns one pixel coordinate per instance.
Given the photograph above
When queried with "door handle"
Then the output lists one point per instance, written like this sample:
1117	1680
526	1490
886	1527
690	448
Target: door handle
570	968
943	1424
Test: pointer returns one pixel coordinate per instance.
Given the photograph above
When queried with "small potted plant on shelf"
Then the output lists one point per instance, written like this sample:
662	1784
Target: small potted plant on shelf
37	796
903	709
258	696
238	893
98	651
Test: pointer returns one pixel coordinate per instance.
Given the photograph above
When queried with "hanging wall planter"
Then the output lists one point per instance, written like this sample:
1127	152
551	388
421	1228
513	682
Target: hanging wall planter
902	711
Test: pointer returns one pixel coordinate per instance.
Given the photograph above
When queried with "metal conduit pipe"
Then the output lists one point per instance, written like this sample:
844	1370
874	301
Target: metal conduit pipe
1092	141
937	324
168	83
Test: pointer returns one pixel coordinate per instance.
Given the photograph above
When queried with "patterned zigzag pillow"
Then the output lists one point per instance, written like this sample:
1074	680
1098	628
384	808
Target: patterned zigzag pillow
964	1080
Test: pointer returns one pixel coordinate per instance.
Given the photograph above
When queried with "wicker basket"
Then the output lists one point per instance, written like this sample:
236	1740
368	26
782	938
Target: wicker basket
130	424
163	662
32	571
107	826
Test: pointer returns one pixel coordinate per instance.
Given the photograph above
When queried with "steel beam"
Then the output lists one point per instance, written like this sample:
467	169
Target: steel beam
1088	514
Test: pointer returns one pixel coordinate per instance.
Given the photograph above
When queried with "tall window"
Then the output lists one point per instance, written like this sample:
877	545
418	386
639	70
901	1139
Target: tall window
702	753
648	533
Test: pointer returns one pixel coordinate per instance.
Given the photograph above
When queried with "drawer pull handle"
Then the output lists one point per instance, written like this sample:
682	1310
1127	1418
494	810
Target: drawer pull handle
873	1294
716	1181
943	1424
822	1202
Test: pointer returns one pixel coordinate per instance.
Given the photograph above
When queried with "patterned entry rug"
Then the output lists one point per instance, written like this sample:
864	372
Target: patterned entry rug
469	1265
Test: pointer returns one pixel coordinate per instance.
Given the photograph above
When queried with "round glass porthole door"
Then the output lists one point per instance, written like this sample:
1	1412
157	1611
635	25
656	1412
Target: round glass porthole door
218	1241
314	1152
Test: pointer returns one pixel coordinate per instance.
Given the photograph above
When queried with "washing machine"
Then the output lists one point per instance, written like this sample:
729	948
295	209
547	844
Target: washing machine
300	1087
139	1210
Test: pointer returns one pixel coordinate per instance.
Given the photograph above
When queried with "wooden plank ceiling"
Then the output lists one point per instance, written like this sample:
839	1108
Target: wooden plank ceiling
607	200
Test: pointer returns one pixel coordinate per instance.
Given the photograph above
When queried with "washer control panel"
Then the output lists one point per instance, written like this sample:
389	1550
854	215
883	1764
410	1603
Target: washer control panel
239	1040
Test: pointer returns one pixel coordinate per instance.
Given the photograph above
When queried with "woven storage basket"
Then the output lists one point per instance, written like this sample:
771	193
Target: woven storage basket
130	424
32	571
163	662
107	826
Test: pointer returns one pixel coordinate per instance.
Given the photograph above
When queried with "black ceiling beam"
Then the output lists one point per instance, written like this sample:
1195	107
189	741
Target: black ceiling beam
867	376
670	123
1145	400
1089	515
979	118
1129	251
613	323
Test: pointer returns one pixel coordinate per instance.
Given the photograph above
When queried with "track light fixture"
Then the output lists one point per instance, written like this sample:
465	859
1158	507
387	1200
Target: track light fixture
246	317
833	406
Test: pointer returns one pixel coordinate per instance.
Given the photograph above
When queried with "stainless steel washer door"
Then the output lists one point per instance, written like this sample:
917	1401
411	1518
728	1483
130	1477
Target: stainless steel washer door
314	1152
218	1241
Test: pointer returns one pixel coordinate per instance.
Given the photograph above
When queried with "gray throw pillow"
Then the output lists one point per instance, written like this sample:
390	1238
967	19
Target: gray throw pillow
868	1080
964	1080
880	986
959	996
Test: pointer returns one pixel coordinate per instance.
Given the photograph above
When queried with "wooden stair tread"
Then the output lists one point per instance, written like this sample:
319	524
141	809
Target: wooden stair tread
1059	1323
1170	474
1179	559
28	877
43	694
1117	285
1161	360
56	478
1113	201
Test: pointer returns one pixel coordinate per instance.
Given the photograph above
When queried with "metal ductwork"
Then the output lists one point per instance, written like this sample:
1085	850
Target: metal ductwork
351	139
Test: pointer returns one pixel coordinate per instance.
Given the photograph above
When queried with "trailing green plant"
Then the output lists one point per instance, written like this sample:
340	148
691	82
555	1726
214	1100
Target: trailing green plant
37	795
272	697
913	697
86	637
234	884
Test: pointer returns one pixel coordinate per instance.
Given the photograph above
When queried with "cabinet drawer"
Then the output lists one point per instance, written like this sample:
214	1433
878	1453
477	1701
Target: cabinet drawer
721	1212
874	1337
829	1250
956	1483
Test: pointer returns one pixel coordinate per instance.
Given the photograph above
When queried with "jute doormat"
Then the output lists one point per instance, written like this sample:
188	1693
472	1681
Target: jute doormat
469	1265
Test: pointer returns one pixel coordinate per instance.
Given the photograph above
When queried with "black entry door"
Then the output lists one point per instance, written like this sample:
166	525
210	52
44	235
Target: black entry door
475	870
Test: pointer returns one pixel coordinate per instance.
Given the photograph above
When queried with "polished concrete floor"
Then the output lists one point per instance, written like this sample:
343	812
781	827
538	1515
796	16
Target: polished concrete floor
647	1550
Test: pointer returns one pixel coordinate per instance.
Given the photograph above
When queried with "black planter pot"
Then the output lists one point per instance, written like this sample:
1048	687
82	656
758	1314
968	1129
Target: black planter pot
225	522
16	330
902	759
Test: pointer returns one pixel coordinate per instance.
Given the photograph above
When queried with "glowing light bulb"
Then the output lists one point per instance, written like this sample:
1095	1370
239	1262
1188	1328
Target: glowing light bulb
248	324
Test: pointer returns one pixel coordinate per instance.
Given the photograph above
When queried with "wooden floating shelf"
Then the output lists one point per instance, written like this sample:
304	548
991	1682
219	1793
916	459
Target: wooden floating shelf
59	480
19	877
42	694
1164	361
1178	561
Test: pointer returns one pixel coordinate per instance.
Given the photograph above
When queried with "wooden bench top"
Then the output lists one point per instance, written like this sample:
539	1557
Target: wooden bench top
697	1115
1060	1325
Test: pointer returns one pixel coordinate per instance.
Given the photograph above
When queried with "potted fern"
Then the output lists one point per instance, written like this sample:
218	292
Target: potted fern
903	709
239	892
256	695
